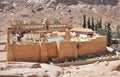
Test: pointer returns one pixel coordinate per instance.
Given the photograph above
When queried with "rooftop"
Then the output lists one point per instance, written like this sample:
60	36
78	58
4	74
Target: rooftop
82	30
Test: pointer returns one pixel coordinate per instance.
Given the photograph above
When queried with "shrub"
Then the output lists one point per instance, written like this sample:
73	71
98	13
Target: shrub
118	48
19	21
102	31
113	47
56	21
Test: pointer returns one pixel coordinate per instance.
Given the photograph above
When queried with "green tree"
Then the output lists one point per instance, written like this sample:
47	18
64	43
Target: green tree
88	23
84	22
19	22
118	48
108	34
100	24
105	26
56	21
118	31
96	27
118	28
92	26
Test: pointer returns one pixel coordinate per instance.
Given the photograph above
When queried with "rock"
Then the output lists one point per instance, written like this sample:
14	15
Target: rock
24	15
36	66
71	17
33	11
3	66
68	71
117	68
40	9
32	76
69	10
51	5
53	1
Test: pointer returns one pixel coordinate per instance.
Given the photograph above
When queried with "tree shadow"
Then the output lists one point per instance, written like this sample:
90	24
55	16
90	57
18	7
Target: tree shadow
99	2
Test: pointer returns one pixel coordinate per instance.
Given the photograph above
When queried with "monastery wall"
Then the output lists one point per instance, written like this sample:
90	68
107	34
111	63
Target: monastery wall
67	50
29	53
92	46
62	50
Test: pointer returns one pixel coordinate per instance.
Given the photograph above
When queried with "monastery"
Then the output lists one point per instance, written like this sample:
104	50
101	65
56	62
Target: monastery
52	42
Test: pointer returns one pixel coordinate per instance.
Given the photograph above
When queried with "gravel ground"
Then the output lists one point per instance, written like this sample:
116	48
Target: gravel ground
3	56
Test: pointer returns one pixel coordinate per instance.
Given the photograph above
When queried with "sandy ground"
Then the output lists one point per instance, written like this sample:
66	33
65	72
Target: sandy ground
3	56
25	69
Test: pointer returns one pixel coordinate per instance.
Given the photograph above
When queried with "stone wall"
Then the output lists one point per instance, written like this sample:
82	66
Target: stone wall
92	46
63	50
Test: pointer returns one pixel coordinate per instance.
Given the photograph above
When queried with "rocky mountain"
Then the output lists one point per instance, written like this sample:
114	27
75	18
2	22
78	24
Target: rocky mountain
66	11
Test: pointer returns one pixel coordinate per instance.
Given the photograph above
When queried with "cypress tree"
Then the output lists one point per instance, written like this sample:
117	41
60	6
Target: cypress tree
92	26
88	23
105	26
96	28
118	30
100	24
84	22
108	34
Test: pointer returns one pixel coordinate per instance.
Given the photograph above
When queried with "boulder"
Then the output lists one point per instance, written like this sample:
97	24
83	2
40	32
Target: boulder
117	68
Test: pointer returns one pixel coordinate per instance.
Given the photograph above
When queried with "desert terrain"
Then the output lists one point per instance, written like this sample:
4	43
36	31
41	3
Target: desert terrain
25	69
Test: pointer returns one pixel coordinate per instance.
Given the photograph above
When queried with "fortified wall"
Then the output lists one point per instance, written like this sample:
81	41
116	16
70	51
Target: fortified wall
55	51
60	51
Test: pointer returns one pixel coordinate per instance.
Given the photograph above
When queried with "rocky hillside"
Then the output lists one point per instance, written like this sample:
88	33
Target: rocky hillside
66	11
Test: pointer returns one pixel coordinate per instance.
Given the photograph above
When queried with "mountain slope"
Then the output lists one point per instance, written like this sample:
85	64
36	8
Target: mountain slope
67	11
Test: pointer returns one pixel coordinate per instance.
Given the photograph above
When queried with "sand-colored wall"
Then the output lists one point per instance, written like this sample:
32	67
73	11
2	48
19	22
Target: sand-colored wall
44	52
67	50
92	46
24	52
48	51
